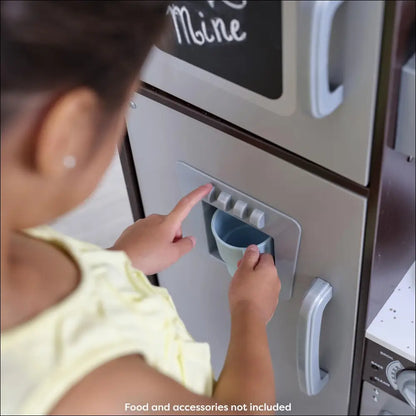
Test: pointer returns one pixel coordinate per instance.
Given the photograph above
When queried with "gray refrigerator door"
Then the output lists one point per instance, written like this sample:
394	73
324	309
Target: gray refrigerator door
344	46
332	221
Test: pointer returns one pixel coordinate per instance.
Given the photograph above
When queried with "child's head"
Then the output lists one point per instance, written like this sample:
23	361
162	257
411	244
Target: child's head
68	69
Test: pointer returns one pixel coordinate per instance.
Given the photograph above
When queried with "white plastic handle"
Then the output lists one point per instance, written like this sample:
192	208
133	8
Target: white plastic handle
322	101
311	378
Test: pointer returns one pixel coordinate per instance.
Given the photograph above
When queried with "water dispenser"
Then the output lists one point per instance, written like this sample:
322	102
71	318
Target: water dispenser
228	220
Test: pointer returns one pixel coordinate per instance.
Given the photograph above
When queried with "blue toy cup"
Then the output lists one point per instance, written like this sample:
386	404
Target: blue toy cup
234	236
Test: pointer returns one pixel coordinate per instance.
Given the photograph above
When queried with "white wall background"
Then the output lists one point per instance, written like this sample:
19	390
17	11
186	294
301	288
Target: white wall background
104	215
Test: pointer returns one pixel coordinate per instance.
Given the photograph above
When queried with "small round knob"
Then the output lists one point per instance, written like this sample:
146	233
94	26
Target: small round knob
211	196
224	200
257	218
240	209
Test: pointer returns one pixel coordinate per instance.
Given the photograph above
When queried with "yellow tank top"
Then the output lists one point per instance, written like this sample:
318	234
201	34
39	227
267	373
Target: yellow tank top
113	312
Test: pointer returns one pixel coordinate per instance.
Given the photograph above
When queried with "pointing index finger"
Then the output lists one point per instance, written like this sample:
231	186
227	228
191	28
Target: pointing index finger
184	206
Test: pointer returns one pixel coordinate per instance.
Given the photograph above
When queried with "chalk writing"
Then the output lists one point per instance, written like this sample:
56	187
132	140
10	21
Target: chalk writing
207	30
235	5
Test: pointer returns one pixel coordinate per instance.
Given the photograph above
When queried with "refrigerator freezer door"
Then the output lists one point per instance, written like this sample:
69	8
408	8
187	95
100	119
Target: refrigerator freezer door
332	221
341	139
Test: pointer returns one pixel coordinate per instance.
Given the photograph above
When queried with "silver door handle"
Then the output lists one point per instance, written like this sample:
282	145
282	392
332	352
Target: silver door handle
322	101
310	376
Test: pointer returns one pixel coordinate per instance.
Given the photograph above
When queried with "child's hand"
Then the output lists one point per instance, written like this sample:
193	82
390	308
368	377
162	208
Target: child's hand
154	243
255	284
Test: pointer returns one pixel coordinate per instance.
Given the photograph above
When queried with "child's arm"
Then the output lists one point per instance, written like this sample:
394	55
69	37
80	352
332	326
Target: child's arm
248	372
109	389
156	242
247	375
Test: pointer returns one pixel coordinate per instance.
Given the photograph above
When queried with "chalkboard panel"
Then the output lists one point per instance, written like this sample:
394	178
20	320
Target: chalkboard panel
240	41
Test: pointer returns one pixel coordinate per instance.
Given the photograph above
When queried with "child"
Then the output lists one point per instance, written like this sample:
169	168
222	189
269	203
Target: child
83	331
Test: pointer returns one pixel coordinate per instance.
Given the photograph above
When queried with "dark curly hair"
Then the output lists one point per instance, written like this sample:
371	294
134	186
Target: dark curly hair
60	45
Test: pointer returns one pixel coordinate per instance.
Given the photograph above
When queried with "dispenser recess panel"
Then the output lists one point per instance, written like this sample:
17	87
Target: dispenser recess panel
284	230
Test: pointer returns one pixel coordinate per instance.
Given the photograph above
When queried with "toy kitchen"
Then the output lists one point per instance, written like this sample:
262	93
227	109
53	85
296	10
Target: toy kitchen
301	115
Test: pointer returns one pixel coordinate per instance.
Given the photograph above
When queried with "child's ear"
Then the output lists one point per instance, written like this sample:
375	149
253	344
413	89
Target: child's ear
67	133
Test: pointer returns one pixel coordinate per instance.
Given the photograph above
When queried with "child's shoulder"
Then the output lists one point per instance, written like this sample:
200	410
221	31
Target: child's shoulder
54	237
91	259
113	312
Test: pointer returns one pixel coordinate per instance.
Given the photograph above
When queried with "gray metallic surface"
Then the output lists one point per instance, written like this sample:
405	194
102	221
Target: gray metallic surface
332	221
341	141
377	402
